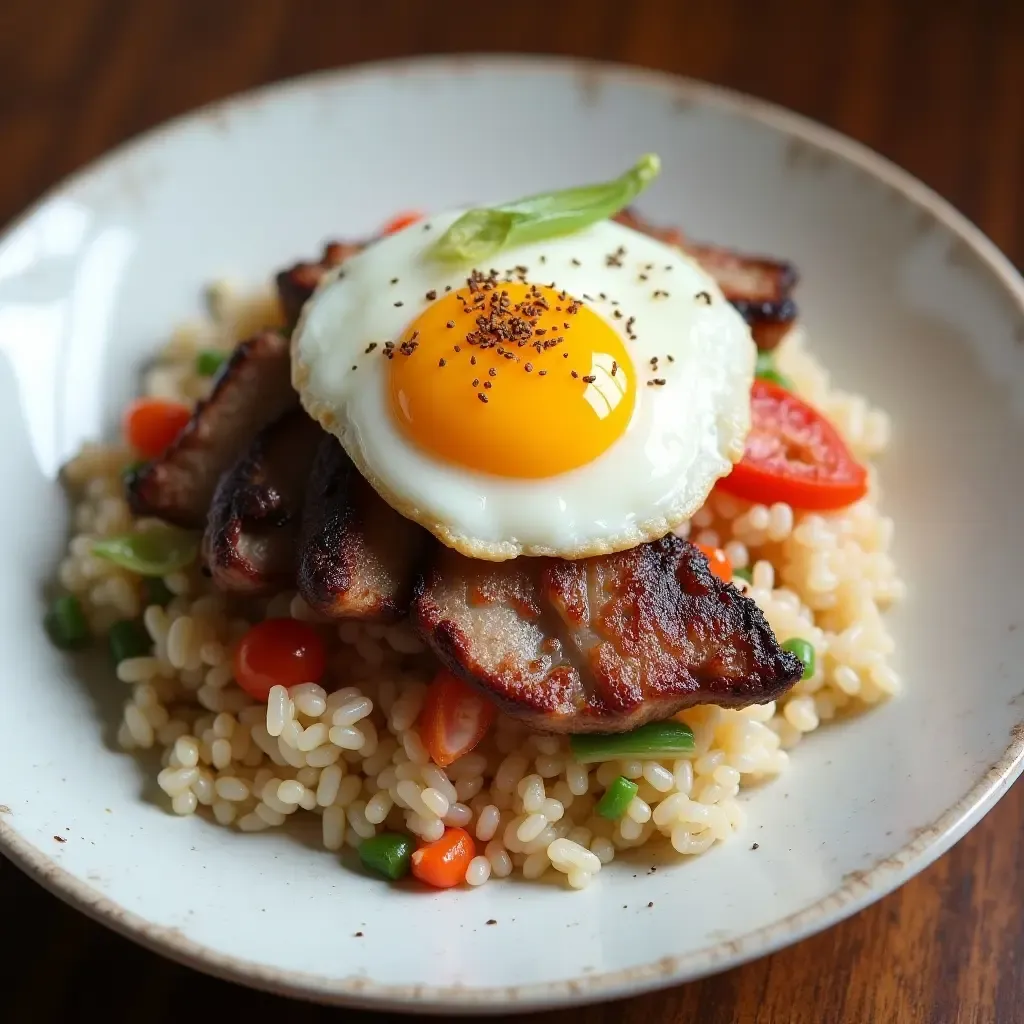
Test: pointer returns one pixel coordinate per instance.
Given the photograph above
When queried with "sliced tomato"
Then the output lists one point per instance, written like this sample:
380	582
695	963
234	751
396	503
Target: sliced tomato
282	652
454	718
794	455
718	562
400	221
151	424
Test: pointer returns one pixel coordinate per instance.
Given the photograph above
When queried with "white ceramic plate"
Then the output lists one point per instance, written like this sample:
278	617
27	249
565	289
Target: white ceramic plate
905	300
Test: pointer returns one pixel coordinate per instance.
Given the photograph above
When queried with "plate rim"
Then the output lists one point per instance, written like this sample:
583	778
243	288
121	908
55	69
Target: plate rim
858	890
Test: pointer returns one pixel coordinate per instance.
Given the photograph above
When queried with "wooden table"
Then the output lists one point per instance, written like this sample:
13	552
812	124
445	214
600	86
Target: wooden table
936	85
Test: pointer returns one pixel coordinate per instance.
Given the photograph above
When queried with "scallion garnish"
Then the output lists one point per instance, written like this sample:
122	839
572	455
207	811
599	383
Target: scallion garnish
656	739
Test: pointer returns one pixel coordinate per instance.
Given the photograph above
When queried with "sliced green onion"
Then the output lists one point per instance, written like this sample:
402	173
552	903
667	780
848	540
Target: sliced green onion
743	574
656	739
617	797
765	370
804	650
155	591
209	361
389	854
128	639
480	233
155	552
66	624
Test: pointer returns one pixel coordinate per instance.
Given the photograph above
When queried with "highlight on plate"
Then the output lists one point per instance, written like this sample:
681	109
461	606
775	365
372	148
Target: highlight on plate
507	541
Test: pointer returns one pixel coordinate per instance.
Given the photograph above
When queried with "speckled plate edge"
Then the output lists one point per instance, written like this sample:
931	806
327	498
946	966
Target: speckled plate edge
859	889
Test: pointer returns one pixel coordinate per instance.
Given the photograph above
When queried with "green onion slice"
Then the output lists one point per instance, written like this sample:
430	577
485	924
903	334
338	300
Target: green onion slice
656	739
617	797
480	233
155	552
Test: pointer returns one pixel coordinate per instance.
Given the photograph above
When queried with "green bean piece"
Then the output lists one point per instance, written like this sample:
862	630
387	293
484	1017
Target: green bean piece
656	739
389	854
804	650
66	625
617	797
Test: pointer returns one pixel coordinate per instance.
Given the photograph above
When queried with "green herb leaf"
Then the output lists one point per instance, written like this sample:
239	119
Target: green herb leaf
155	552
480	233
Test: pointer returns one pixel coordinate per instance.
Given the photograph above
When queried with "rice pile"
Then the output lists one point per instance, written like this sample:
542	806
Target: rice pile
353	756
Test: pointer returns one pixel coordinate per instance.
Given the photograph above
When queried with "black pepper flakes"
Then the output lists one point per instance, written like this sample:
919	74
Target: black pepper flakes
476	382
488	385
492	921
649	905
441	362
589	379
542	373
472	360
431	295
671	358
575	262
450	324
615	367
704	297
574	373
370	348
394	280
657	382
756	846
399	304
492	372
528	367
481	396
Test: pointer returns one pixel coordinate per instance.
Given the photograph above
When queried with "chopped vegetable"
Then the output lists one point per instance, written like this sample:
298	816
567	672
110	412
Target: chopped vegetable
454	718
155	591
389	854
656	739
743	574
718	562
617	797
794	455
766	371
443	863
209	361
128	639
480	233
400	221
66	624
131	469
154	552
804	650
152	424
278	652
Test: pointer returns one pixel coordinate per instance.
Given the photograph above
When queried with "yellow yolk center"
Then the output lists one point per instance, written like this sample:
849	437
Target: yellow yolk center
511	379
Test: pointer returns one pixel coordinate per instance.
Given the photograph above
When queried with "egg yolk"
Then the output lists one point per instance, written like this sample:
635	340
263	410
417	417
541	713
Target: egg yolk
512	379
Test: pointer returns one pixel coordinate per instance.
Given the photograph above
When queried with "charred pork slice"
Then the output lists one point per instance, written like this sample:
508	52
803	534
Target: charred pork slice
253	527
296	284
358	556
759	287
601	644
253	389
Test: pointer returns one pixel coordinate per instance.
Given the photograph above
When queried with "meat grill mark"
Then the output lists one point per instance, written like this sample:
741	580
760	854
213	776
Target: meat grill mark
251	533
638	636
759	287
252	389
358	556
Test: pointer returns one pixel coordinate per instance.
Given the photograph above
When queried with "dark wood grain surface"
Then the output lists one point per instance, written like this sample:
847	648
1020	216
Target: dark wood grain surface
938	86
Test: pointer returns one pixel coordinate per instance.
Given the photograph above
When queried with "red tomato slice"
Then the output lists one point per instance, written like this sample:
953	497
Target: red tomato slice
794	455
151	424
454	718
282	652
718	562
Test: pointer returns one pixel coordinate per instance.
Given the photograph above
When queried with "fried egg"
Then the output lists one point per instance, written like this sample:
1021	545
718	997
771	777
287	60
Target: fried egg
578	400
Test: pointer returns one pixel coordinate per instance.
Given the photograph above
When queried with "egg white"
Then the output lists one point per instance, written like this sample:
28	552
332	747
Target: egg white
682	437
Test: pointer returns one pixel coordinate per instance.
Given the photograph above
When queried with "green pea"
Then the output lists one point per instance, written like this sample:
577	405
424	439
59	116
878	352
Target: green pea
128	639
617	797
804	650
66	625
389	854
209	361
